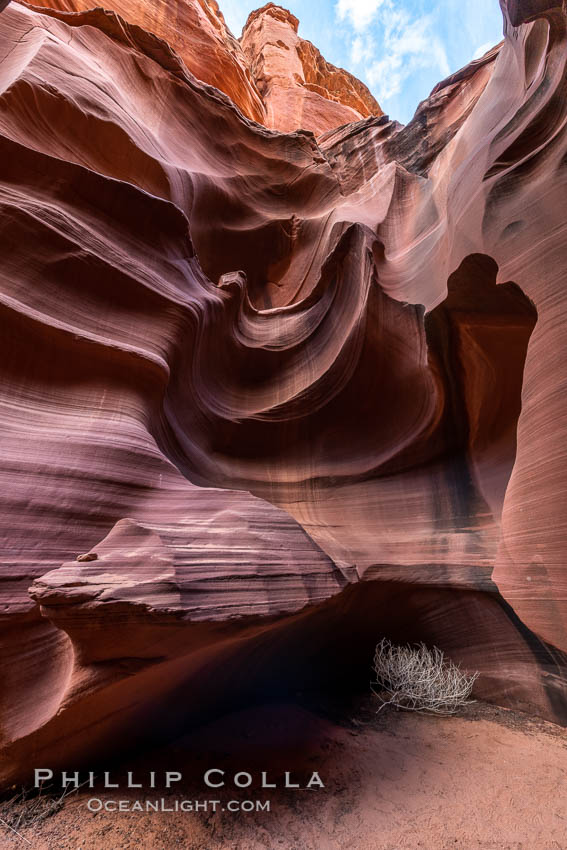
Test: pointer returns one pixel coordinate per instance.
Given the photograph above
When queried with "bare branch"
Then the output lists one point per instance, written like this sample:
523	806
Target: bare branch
416	678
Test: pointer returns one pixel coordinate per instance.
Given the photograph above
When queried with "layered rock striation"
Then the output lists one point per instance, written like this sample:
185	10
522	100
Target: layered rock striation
288	372
272	75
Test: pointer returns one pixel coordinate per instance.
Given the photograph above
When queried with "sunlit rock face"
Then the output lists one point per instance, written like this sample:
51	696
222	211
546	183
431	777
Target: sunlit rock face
194	29
290	391
272	75
299	88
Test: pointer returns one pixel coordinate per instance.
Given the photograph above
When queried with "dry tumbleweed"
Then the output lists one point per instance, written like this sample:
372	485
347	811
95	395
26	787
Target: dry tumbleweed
416	678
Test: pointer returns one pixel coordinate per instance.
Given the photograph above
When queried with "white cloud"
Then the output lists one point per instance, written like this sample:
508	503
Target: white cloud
362	49
360	13
480	51
405	44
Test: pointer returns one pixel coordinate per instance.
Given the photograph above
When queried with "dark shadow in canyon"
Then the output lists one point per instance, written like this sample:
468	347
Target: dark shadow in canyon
319	660
478	339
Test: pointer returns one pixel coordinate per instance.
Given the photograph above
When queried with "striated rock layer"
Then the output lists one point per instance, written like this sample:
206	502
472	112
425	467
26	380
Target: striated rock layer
194	29
288	392
272	75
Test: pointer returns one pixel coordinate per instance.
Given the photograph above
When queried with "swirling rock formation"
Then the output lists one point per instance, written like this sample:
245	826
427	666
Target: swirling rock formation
289	392
195	30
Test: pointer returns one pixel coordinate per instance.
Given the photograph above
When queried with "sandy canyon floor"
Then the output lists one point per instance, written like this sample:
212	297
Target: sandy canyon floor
488	780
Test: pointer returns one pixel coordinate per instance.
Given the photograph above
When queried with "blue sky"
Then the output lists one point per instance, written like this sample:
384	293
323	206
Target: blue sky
399	48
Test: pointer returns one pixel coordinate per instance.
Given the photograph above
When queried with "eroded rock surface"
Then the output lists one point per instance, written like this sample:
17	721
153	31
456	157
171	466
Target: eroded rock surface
295	390
298	86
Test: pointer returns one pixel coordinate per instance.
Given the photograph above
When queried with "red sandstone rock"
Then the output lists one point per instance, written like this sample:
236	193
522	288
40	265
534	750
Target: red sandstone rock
296	393
197	32
299	88
274	77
